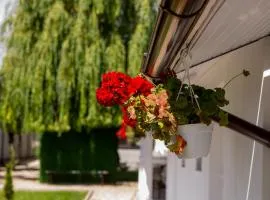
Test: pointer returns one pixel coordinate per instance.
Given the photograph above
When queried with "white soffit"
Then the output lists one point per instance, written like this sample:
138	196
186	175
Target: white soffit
236	23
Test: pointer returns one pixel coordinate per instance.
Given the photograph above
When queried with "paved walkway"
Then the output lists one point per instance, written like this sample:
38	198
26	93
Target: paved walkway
26	178
30	185
123	191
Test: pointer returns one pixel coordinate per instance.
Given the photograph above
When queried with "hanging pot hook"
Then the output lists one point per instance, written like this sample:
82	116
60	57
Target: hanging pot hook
186	57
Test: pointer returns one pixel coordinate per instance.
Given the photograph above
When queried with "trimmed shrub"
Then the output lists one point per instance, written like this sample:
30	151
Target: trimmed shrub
86	152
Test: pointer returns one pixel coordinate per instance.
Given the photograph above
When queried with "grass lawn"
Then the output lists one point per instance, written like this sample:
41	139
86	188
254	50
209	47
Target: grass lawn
24	195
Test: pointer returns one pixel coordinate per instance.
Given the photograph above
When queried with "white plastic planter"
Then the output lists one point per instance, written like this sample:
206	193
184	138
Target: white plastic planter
198	138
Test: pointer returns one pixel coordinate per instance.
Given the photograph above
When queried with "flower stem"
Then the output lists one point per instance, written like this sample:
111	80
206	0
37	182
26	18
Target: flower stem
236	76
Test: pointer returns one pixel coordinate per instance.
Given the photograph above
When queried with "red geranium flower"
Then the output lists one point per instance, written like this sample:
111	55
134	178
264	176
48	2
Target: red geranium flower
140	86
127	120
113	90
111	76
121	133
104	97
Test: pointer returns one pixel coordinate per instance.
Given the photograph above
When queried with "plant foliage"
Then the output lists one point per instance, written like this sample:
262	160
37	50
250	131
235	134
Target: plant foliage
185	109
197	104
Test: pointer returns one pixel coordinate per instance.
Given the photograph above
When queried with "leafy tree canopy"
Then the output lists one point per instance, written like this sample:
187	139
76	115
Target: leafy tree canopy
56	53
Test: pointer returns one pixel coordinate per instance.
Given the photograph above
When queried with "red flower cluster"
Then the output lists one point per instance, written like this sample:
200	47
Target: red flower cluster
116	88
104	97
113	90
140	86
126	119
121	133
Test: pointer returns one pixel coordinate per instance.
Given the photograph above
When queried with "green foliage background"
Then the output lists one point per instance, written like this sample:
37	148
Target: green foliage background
56	53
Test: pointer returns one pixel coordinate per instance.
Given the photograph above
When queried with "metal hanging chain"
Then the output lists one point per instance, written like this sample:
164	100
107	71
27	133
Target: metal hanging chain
193	95
185	59
181	61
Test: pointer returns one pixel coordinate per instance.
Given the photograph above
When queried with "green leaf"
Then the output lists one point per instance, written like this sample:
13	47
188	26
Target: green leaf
173	147
204	118
181	118
220	96
181	103
220	93
209	107
173	85
160	124
223	116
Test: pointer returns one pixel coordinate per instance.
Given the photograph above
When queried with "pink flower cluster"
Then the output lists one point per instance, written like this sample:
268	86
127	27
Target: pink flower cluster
157	106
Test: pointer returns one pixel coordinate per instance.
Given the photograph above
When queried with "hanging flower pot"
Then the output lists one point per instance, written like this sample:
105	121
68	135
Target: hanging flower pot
198	138
173	111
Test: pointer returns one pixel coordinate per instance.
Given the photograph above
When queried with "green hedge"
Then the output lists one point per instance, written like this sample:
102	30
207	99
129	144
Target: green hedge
81	151
85	177
126	176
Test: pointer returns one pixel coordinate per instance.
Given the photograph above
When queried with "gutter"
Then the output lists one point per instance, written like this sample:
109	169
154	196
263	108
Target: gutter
175	21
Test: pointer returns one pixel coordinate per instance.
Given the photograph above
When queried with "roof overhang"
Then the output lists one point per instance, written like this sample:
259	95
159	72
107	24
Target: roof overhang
220	27
171	32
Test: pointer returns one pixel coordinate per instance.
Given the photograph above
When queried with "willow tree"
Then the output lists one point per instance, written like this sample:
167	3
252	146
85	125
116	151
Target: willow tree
56	53
145	14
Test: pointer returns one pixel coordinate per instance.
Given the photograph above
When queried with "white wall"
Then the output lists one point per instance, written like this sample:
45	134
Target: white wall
225	175
24	149
145	180
185	182
265	122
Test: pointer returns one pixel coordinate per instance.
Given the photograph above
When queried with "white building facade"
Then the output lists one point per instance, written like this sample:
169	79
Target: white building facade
238	38
225	172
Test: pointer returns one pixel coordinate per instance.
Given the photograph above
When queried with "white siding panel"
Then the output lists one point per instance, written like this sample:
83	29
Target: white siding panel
234	161
236	23
227	167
